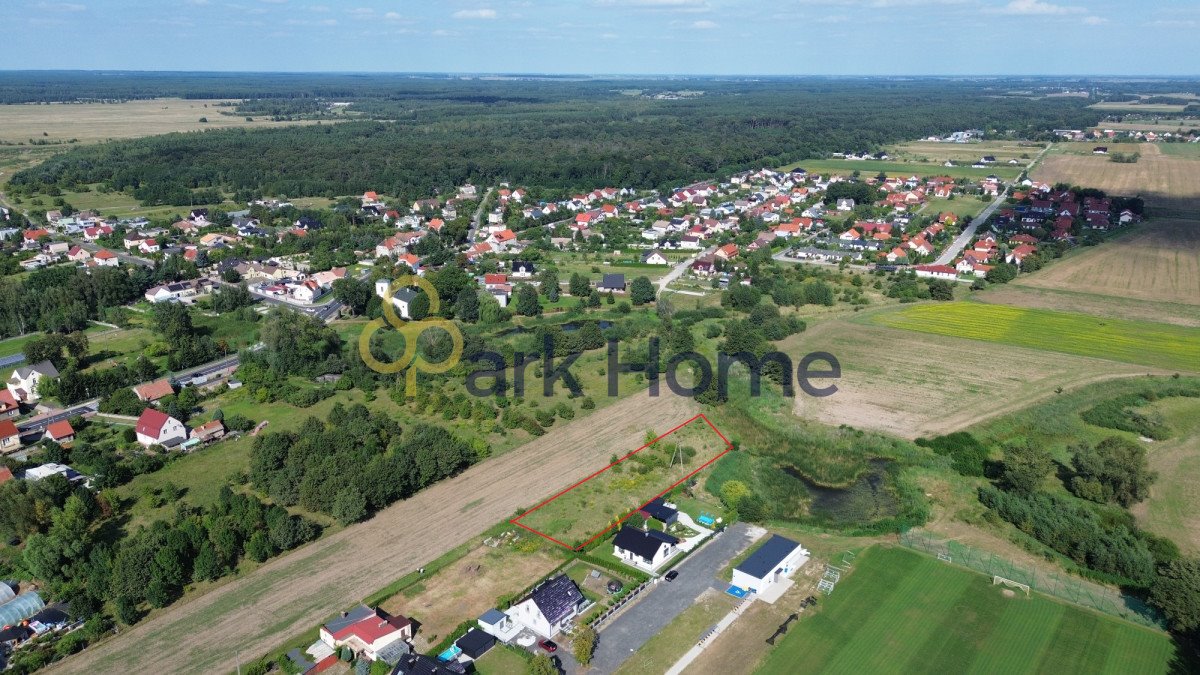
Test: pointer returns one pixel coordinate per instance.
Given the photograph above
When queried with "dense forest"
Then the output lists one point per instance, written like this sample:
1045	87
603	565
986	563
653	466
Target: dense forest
427	136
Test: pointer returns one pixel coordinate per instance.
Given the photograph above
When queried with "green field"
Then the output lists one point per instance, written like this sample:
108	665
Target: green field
1140	342
905	169
902	612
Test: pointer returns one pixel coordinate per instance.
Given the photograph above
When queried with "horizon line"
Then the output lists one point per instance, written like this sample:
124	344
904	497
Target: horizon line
601	75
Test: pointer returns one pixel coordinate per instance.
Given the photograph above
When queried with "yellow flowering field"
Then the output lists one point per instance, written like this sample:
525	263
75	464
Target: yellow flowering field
1141	342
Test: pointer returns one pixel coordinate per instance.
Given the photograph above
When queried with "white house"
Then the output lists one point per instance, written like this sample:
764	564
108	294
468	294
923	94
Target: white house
155	427
944	272
655	257
401	299
550	607
771	564
23	383
647	549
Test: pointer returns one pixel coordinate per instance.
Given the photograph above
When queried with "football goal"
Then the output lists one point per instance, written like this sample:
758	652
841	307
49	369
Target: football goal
999	581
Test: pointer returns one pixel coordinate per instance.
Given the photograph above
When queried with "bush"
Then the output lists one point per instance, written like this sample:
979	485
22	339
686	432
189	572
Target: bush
967	453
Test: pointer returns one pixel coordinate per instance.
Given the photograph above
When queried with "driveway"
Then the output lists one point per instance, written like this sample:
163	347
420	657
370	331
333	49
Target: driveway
667	600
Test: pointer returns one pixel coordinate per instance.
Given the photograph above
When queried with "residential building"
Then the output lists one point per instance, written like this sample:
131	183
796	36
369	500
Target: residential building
23	383
155	427
550	607
60	432
209	431
151	392
647	549
9	407
366	631
10	438
770	565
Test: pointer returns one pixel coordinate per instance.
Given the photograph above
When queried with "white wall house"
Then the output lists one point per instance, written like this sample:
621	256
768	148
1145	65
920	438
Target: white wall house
645	549
155	427
771	564
401	299
23	383
550	607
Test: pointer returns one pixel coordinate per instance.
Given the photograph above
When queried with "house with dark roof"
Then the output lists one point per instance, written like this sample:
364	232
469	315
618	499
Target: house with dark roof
550	607
612	282
521	269
475	643
658	510
23	383
646	549
770	565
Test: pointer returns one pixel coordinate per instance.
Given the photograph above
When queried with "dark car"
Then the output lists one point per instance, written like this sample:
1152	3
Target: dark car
548	645
671	575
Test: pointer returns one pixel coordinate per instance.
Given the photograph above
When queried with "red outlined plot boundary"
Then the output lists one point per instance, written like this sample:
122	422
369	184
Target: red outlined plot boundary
728	446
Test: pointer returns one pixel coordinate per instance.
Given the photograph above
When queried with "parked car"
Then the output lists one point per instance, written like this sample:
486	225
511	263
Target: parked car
671	575
548	645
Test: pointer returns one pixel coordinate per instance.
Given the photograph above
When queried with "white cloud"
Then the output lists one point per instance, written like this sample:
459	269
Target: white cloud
61	6
704	25
198	3
311	22
1035	8
274	2
393	16
361	12
317	8
1095	20
475	14
673	6
444	33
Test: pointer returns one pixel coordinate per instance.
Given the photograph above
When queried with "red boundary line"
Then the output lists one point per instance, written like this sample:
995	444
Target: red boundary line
728	446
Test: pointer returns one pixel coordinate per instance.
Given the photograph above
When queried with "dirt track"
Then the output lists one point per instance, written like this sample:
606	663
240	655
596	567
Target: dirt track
294	593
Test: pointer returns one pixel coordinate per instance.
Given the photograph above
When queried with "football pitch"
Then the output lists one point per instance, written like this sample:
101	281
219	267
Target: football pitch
900	611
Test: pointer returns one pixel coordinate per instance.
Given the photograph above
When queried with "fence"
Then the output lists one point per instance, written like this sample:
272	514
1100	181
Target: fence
598	622
1058	584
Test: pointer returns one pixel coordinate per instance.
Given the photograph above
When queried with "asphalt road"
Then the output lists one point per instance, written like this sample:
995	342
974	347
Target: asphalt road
968	234
662	603
40	424
675	273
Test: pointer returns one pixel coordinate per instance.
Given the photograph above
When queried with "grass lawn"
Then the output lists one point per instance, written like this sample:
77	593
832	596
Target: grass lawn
585	510
902	612
964	207
1185	150
1175	496
16	345
1140	342
501	660
672	642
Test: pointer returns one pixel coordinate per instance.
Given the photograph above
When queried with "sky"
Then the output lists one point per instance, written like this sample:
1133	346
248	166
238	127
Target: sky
687	37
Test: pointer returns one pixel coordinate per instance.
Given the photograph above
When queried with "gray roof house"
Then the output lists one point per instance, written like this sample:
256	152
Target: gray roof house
612	282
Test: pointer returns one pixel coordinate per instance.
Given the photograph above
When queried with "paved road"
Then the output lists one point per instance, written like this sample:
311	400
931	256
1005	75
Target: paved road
667	600
968	234
963	239
475	219
40	423
674	274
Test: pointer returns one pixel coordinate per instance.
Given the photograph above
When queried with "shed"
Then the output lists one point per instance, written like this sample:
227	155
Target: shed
475	643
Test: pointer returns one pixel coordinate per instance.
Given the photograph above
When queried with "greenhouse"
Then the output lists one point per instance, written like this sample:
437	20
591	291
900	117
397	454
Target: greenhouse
6	593
20	608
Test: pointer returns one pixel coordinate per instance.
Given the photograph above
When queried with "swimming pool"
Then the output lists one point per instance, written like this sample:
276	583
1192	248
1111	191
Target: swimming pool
450	654
737	591
705	519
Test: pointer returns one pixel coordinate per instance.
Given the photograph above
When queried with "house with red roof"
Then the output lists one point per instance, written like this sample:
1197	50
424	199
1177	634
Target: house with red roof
151	392
366	631
61	432
155	427
10	438
209	431
78	254
1019	254
6	474
727	252
105	258
32	238
944	272
9	407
